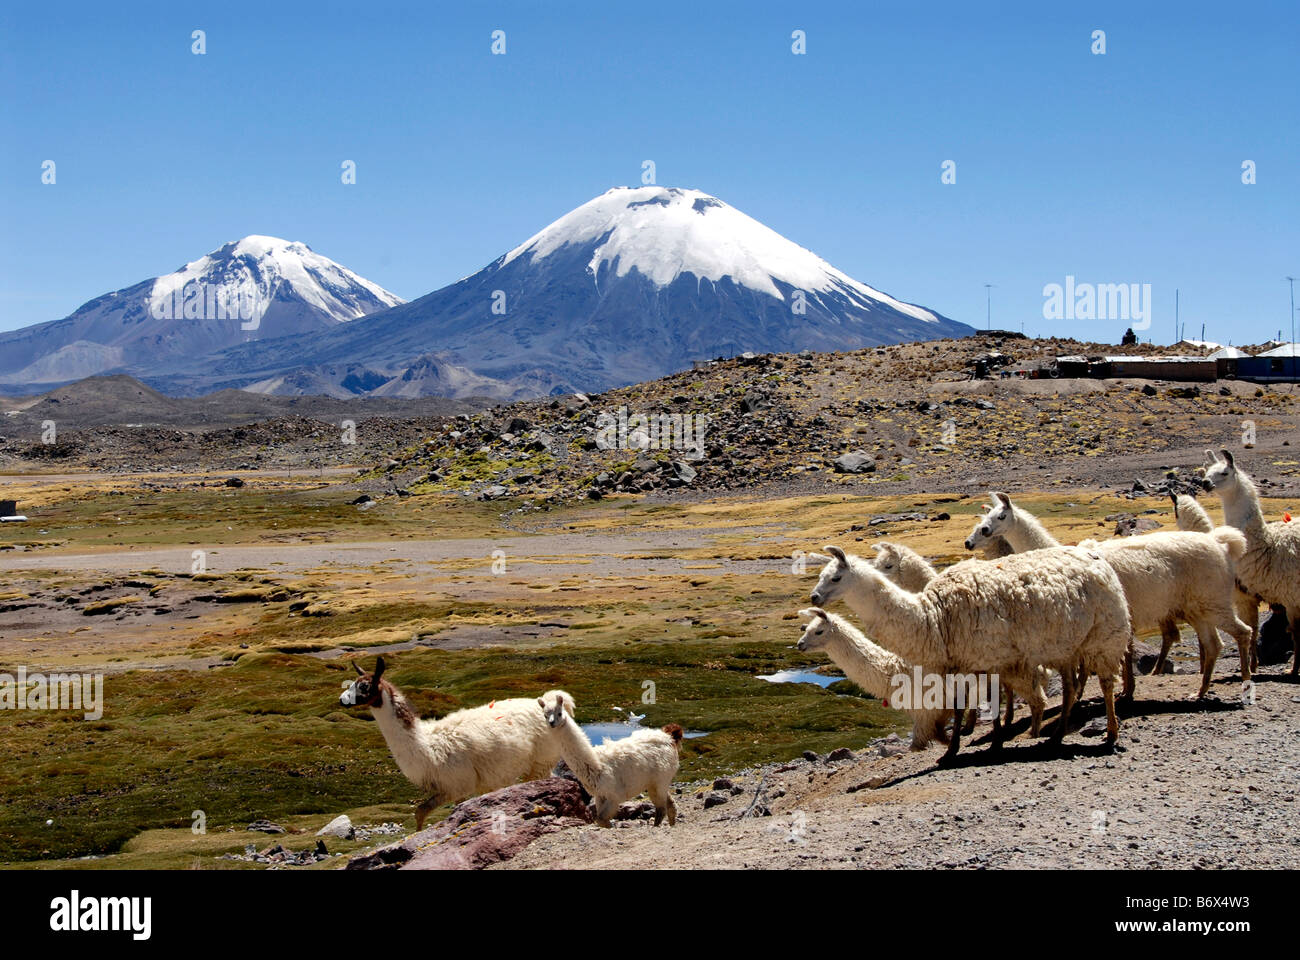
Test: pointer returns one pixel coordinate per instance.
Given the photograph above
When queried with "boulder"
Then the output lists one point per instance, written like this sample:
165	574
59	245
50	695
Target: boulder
340	826
855	462
486	829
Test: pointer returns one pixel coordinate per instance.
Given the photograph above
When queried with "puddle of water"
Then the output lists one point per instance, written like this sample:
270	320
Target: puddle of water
599	733
799	676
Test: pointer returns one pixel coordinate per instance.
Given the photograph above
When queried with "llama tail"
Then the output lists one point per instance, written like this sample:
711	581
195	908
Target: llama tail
1232	540
674	731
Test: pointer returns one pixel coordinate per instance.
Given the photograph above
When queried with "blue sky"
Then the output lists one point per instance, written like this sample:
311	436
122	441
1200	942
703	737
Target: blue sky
1120	168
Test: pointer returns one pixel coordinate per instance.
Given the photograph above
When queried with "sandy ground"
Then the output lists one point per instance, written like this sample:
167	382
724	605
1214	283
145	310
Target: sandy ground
1189	786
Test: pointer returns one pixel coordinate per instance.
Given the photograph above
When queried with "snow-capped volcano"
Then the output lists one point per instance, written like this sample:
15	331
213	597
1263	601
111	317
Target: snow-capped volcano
665	232
632	285
250	289
260	266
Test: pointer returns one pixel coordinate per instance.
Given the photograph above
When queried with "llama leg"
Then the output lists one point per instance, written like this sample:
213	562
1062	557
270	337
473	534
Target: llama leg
1037	704
969	727
1247	609
1112	721
1295	646
422	812
659	797
1211	646
672	812
1067	702
954	743
1127	695
1168	637
603	811
1242	634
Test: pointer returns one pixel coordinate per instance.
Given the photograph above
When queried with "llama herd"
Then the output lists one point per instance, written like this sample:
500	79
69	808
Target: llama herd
1033	605
1030	605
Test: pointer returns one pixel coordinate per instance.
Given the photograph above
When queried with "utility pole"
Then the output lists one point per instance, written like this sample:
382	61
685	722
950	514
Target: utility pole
1291	282
988	306
1177	334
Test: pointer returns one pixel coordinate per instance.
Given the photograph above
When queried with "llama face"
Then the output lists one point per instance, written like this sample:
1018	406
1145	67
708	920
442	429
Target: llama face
556	715
887	559
831	582
1220	473
815	631
365	690
990	526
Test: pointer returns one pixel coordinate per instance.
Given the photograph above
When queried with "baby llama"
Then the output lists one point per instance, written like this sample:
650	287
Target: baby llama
613	772
466	753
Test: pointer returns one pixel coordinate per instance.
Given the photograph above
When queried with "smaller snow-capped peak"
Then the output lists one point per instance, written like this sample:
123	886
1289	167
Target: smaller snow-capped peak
664	232
265	264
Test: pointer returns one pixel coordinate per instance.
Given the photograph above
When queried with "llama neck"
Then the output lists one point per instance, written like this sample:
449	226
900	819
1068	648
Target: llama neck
897	618
400	727
579	754
1027	533
855	658
1241	507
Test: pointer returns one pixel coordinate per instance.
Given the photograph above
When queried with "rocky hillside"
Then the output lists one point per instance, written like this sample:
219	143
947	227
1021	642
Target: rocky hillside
906	417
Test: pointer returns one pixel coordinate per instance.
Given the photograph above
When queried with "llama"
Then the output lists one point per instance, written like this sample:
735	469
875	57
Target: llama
613	772
1019	528
1060	607
1174	575
1190	515
1269	570
903	565
464	754
870	666
911	571
1165	580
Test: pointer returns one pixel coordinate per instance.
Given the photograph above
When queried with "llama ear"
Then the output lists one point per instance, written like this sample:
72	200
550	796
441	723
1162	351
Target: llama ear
541	703
836	552
1227	456
1210	457
379	668
808	612
357	667
1003	499
818	557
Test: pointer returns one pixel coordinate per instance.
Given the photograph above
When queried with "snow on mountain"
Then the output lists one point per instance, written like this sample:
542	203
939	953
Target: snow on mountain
666	232
632	285
246	290
265	264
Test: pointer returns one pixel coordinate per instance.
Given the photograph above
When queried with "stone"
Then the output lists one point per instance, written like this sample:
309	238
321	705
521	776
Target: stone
486	829
842	753
265	826
856	462
340	826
